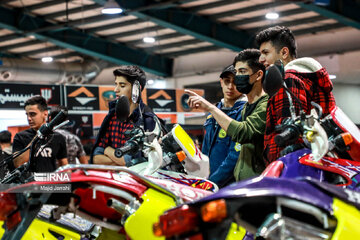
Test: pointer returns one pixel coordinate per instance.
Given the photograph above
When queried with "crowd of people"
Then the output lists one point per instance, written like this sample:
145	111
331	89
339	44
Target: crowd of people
239	130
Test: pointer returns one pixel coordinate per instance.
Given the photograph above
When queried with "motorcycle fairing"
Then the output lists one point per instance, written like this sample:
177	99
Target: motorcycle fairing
36	231
348	220
343	121
346	168
192	181
189	180
293	168
139	224
299	189
186	193
344	194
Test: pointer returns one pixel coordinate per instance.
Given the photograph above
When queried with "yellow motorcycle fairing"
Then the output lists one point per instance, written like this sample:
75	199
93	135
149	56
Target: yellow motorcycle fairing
348	221
140	224
39	229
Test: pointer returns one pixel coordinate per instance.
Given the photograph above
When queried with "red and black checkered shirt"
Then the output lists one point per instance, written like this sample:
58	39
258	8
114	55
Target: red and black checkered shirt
114	135
315	86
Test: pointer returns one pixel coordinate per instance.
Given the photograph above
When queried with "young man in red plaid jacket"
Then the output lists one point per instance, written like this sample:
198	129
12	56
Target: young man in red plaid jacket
304	77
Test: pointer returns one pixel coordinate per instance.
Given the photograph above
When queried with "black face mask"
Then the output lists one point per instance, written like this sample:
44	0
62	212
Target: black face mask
242	83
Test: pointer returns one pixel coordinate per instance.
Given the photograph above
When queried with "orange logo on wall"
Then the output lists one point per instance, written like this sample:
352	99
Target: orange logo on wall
181	100
160	93
79	91
106	95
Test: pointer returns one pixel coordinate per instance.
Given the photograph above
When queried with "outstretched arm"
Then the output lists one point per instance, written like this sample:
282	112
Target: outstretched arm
198	102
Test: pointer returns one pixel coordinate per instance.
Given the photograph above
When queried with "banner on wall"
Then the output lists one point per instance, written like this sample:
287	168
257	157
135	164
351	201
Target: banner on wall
106	95
82	98
161	100
182	98
13	96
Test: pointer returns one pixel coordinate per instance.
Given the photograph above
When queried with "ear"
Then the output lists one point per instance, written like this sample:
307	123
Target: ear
259	75
46	115
284	53
221	82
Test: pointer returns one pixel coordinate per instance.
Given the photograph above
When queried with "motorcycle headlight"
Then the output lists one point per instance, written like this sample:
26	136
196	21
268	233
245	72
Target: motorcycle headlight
280	227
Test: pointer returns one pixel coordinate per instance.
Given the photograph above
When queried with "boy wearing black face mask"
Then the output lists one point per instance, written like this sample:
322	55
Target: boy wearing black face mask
250	131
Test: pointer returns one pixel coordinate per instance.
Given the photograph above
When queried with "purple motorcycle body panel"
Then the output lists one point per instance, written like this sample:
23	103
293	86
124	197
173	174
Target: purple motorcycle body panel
285	187
293	168
347	195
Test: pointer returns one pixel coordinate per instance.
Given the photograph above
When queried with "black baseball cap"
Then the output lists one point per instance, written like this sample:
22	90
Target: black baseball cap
228	69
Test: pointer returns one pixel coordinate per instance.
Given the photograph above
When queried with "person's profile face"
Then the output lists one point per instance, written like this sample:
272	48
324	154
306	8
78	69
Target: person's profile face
35	117
122	87
228	87
268	54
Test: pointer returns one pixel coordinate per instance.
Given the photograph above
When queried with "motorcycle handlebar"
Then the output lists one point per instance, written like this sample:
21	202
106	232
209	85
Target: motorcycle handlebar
287	135
131	147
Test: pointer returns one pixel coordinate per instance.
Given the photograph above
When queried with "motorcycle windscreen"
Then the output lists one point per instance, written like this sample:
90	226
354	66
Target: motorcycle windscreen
344	122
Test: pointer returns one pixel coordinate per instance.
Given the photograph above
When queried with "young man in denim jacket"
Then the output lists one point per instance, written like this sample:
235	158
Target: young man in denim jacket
222	151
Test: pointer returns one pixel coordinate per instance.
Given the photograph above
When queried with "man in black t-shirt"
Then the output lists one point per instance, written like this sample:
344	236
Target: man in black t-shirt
48	154
5	152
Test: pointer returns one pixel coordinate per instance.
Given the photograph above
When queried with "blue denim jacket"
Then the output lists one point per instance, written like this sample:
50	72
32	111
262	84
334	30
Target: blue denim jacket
222	151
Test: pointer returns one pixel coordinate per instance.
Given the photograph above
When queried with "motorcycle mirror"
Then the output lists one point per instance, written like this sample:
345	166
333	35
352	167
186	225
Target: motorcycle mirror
122	108
274	79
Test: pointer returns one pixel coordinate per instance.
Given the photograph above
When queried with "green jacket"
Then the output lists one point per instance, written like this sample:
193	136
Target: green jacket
250	134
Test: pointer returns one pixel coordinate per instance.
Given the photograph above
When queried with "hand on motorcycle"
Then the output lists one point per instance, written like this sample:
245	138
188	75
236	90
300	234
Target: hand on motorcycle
198	102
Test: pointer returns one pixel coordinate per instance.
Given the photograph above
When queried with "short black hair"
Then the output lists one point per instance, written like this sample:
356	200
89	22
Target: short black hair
131	73
5	136
280	37
54	110
37	100
251	57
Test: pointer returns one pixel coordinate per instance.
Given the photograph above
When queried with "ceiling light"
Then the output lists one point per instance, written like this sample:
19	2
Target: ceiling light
332	76
150	81
47	59
149	39
111	7
272	15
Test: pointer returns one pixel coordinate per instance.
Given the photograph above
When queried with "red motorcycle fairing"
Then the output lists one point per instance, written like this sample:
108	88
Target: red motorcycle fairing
274	169
346	168
346	125
126	182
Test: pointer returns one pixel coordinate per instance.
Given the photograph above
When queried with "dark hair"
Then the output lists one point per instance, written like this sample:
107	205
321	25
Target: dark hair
131	73
280	37
251	57
37	100
54	110
5	136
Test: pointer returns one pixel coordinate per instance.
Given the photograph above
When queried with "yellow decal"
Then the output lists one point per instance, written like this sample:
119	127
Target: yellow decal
237	147
222	133
209	116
